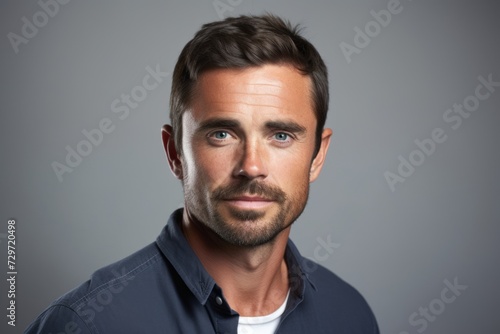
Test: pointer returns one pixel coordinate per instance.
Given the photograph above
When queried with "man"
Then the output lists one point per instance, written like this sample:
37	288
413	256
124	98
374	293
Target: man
248	107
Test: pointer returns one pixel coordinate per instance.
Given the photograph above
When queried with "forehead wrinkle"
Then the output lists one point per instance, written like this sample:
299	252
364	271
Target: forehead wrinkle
256	88
229	91
264	99
257	94
247	82
277	86
224	106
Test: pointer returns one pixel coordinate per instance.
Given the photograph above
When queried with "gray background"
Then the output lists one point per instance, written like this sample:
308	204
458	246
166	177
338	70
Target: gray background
397	247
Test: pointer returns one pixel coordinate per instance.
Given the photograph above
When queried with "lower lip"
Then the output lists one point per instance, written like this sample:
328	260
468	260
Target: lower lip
250	204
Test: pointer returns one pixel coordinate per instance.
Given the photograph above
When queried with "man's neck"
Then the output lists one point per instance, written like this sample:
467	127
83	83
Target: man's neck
254	279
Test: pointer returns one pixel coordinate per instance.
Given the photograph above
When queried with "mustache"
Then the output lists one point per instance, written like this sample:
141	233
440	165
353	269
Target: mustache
266	191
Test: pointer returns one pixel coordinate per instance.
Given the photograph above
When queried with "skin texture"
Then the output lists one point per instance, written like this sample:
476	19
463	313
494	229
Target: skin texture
246	165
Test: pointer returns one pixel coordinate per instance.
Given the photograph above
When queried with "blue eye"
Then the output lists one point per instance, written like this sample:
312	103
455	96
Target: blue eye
281	136
221	138
220	135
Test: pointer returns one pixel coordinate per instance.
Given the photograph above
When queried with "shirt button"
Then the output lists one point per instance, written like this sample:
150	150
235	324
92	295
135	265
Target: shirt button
218	300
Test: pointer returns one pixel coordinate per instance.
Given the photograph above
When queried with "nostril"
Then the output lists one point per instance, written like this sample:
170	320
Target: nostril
242	173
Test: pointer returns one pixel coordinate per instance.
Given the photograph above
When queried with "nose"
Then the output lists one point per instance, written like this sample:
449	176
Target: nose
252	162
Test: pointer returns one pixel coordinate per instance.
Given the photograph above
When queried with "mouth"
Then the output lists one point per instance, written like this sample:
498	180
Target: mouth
249	202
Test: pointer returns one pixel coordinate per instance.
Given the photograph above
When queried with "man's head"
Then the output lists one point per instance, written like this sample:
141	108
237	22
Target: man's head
242	42
247	135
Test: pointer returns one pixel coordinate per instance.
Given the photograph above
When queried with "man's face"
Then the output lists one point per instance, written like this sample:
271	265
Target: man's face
247	159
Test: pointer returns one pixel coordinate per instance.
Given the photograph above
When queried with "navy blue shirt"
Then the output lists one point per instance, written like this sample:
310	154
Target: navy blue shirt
164	288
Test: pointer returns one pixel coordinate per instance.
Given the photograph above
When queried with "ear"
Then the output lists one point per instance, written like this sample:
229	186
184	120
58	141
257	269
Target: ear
173	157
319	160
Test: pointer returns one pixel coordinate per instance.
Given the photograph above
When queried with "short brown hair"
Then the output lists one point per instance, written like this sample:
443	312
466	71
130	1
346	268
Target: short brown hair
245	41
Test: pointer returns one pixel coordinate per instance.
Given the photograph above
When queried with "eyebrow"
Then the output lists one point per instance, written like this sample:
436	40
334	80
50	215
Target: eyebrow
215	123
292	127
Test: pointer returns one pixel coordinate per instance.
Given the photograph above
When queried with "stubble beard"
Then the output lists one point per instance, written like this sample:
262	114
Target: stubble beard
246	228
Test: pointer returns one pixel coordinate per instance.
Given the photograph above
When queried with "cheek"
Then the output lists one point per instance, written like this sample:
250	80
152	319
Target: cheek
291	173
300	177
208	169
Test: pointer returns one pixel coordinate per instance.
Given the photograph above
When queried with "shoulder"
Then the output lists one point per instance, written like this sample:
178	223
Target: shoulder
75	311
114	276
336	300
328	284
324	302
58	318
322	281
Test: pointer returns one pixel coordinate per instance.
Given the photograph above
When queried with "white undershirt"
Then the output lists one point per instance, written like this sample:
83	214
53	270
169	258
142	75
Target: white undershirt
265	324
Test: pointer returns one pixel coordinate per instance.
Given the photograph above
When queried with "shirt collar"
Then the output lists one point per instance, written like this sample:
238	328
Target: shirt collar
177	250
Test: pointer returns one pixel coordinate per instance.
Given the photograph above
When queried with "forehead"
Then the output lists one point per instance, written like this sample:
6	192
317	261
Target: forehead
278	90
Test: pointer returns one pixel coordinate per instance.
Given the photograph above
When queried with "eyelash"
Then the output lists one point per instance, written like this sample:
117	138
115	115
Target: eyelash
286	141
282	143
282	133
212	136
